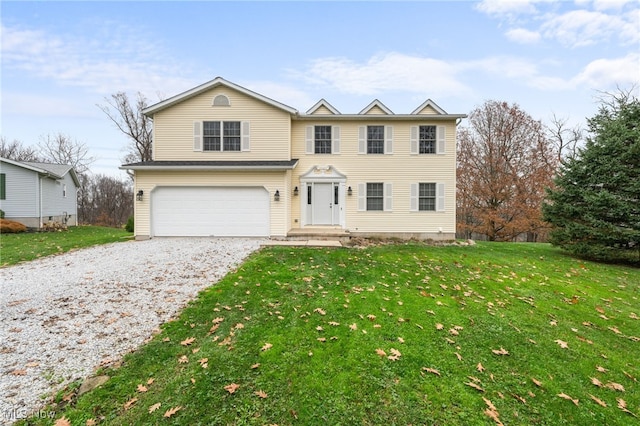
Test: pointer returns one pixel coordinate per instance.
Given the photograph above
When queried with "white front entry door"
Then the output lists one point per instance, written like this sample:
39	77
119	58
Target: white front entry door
322	204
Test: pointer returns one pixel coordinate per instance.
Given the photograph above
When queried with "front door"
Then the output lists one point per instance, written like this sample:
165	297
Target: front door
322	203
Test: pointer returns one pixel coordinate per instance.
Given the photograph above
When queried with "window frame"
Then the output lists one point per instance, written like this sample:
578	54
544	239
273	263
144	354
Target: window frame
322	145
427	146
422	197
379	146
377	198
222	136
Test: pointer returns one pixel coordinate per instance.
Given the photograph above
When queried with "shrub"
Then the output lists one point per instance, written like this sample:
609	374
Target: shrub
11	226
1	214
129	226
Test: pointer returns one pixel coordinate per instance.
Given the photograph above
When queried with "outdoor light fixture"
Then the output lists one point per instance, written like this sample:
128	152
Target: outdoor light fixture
139	195
295	191
349	191
276	196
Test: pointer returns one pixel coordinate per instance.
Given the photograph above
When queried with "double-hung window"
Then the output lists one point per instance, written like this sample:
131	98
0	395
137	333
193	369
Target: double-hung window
427	197
322	139
427	140
375	196
221	135
375	140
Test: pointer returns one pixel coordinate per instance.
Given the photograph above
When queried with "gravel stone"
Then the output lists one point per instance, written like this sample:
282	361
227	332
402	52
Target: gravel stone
63	316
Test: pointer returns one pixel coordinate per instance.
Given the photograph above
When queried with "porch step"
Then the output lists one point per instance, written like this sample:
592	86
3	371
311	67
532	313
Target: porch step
318	233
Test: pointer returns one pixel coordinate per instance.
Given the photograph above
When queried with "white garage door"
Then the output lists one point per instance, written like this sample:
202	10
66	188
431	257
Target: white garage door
210	211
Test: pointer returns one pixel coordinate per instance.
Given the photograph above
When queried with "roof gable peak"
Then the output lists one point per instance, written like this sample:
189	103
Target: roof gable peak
431	105
319	106
373	105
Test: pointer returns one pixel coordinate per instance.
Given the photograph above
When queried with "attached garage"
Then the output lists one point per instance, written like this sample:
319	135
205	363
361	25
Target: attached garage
209	211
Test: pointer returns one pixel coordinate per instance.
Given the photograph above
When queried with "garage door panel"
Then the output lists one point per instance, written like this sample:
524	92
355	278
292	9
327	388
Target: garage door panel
210	211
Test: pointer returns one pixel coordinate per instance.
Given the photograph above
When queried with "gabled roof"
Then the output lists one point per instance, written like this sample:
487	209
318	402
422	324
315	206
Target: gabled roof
372	105
55	171
218	81
429	103
322	103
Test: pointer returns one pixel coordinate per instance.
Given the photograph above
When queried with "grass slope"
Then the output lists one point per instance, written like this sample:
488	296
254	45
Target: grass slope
15	248
397	334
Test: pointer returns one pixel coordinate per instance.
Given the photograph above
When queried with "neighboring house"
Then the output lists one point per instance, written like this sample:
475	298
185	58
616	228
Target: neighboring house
231	162
37	193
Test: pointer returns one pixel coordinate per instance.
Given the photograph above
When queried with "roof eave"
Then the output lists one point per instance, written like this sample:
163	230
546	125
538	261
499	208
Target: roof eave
380	117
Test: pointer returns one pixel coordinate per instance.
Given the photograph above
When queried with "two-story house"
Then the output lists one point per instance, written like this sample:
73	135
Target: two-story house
231	162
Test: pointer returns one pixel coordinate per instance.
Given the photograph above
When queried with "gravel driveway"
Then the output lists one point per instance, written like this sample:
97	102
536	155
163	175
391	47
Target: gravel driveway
62	316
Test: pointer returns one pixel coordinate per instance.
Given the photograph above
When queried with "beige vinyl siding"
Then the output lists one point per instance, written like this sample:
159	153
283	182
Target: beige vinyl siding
400	169
376	110
174	128
272	181
322	110
428	110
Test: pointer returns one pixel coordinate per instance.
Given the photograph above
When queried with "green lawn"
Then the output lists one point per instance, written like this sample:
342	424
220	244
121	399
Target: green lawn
390	335
15	248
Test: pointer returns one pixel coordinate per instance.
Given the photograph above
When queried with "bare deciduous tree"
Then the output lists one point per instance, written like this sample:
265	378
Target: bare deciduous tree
505	162
130	120
61	149
105	200
17	151
566	139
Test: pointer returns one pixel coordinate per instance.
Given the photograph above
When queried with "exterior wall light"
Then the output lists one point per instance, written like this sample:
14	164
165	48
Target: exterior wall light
349	191
139	195
295	191
276	196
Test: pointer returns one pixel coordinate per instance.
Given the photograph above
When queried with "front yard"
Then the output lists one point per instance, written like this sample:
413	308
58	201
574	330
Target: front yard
397	334
15	248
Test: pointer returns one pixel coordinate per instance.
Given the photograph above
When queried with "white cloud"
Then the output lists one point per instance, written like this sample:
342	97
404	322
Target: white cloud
608	73
523	36
44	106
121	59
503	8
386	72
582	28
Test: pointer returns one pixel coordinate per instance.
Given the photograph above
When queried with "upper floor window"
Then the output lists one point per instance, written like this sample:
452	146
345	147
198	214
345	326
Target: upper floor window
375	140
221	135
427	140
322	140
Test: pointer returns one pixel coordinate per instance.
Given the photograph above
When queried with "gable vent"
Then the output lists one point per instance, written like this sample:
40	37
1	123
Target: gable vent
221	100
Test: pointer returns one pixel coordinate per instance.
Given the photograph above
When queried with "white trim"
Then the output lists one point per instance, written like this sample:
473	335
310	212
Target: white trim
428	103
226	102
372	105
322	103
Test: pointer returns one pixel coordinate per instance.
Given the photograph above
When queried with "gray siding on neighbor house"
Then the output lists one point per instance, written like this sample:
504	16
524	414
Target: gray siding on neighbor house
55	202
22	195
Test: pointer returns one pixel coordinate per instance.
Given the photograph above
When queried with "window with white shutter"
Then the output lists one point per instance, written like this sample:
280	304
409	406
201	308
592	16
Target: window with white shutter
197	136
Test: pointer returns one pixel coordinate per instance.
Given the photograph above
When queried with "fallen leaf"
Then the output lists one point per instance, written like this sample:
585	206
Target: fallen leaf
62	421
479	367
333	323
353	326
320	311
431	370
171	411
188	341
91	422
519	398
150	381
494	415
371	317
381	353
615	386
266	347
458	356
439	326
601	369
501	351
319	328
261	394
475	386
489	404
19	373
254	366
183	359
622	404
537	382
142	388
598	401
567	397
154	407
562	343
453	332
232	387
130	403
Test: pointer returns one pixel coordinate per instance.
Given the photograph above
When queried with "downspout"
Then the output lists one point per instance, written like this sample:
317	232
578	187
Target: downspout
40	177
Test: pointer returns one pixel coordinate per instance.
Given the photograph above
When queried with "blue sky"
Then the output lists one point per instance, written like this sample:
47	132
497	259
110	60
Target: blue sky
61	59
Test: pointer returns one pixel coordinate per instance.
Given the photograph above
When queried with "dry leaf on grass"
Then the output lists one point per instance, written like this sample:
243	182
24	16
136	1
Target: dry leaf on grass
254	366
91	422
171	411
536	382
475	386
494	415
130	403
261	394
567	397
154	407
622	404
320	311
232	387
381	353
563	344
501	351
431	370
266	347
598	401
458	356
183	359
596	382
62	421
615	386
187	342
142	388
479	367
